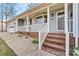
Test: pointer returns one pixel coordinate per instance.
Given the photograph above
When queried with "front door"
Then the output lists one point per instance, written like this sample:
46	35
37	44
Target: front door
52	23
60	21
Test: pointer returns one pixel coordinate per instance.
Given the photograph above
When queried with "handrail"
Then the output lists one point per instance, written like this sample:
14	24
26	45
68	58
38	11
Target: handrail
42	35
43	27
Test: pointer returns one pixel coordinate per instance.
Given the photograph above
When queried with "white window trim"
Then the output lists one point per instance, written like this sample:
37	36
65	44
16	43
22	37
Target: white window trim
57	20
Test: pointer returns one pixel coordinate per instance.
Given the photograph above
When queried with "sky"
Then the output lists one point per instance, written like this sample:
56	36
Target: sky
21	7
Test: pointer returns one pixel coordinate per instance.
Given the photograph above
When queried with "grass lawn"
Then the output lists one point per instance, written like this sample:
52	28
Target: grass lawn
5	50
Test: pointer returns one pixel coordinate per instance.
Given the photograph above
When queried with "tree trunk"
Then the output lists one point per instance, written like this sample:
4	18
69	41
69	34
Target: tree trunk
6	23
6	17
2	19
2	26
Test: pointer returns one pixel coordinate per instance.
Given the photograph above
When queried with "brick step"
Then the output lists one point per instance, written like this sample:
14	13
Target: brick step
54	46
56	37
60	34
55	41
60	42
53	51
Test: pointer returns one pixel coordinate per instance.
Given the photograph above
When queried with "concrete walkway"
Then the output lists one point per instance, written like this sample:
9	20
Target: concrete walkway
22	46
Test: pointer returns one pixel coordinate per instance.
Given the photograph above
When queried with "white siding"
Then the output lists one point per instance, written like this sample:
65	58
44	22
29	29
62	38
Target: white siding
75	19
78	17
52	25
11	26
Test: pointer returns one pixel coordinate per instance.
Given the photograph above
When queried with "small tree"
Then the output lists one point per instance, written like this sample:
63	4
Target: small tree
9	11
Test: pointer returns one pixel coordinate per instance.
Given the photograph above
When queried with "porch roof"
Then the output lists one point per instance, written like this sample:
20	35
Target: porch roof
35	9
29	11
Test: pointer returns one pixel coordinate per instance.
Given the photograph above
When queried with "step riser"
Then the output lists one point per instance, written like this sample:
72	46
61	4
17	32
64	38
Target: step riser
56	34
53	52
56	42
56	38
54	48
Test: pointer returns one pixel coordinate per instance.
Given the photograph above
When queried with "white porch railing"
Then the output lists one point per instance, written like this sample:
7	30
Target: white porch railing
42	35
22	28
36	27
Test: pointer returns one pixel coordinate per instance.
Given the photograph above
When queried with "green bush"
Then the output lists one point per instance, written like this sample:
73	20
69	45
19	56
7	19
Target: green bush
71	52
76	51
35	42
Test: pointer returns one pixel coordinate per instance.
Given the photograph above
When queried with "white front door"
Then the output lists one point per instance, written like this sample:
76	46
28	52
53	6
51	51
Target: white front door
60	21
52	23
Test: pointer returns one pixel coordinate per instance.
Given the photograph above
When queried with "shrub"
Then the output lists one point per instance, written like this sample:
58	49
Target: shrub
76	51
71	52
35	42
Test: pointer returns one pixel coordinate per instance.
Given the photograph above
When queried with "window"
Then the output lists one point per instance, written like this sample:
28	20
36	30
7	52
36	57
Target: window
61	13
45	16
39	17
71	15
20	22
30	21
38	20
52	15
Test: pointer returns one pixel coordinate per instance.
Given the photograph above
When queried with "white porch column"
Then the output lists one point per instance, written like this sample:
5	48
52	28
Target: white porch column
75	23
66	29
27	18
77	17
48	17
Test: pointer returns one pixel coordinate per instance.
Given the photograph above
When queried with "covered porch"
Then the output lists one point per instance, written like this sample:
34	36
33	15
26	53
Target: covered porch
34	22
57	18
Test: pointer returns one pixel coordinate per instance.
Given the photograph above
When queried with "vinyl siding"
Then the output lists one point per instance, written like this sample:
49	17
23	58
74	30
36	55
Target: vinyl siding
78	17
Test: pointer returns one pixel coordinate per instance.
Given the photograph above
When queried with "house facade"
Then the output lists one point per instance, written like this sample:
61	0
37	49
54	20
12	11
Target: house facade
49	18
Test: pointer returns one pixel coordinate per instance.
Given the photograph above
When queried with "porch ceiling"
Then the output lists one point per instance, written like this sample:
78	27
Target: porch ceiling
44	11
32	11
52	8
38	13
57	6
